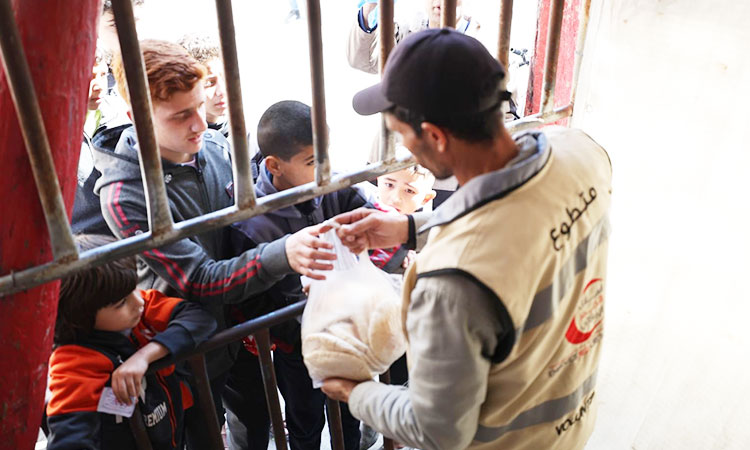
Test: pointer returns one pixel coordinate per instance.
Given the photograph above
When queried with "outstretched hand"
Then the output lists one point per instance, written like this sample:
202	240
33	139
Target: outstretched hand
365	228
307	252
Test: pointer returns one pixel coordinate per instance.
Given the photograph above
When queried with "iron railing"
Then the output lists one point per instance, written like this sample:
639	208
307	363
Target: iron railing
163	230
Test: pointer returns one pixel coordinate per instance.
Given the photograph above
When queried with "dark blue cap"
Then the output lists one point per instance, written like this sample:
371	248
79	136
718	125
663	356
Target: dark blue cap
437	73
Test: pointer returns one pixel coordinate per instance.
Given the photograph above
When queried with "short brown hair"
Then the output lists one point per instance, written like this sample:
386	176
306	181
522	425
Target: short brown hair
86	292
169	69
201	46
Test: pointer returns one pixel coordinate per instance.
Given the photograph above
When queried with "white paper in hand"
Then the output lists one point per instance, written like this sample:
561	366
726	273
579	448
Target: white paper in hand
109	404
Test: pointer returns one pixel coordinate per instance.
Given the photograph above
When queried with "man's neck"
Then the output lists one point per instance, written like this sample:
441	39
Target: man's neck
212	119
485	157
176	157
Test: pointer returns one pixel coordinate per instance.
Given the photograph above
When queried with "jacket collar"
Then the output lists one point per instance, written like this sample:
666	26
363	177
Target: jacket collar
534	151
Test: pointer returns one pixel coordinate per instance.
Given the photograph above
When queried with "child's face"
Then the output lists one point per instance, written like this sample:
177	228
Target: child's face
120	316
405	191
299	170
97	85
216	104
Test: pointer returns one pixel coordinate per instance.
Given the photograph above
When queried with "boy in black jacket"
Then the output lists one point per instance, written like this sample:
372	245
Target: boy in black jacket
106	335
285	141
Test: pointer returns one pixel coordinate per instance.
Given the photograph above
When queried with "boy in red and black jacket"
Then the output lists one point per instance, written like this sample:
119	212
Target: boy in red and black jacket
106	335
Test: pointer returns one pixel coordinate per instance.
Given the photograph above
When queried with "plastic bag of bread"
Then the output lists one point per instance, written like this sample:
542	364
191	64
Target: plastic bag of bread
351	327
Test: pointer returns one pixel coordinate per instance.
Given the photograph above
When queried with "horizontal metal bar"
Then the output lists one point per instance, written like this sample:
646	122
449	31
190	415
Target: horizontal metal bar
551	55
319	123
236	333
35	136
448	14
539	119
159	214
18	281
244	192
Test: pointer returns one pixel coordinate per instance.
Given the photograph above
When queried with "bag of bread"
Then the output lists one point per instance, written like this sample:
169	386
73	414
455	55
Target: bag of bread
351	327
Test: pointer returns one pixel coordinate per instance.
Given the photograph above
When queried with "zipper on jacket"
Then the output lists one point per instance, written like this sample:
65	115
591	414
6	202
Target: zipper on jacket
204	191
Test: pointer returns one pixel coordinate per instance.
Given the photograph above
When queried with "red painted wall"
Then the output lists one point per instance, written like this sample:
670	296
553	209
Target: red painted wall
568	39
59	38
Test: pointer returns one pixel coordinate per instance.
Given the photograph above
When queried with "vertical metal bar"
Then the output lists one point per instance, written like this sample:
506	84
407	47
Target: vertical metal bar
583	26
387	40
385	378
448	14
159	213
138	429
244	193
206	399
35	136
334	424
503	44
320	127
263	339
503	41
551	55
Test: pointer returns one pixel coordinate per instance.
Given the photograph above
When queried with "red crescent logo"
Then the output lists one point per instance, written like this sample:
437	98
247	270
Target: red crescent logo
574	335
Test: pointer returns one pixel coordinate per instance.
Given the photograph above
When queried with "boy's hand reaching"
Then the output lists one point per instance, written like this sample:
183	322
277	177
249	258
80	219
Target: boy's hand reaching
307	253
126	379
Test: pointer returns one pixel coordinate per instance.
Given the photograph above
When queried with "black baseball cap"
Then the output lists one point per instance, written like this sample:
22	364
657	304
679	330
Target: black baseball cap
438	73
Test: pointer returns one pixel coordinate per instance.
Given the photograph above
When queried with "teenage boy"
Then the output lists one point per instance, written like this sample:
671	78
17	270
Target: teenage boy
106	335
198	177
285	140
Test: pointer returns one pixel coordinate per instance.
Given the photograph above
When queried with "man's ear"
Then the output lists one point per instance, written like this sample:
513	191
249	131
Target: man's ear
434	133
273	165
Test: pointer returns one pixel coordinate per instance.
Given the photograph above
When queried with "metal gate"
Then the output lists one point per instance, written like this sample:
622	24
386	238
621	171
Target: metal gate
163	230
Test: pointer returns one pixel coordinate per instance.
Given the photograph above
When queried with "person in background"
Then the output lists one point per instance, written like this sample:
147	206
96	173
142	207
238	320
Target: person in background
205	49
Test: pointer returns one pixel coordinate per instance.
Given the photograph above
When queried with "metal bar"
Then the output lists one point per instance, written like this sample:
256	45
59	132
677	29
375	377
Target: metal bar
320	126
503	45
263	338
334	424
448	14
244	193
539	119
157	205
206	400
138	429
583	26
385	378
35	136
551	55
236	333
503	39
18	281
387	40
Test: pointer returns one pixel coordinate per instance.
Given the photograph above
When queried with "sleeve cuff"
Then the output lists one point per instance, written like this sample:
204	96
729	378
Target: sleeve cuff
361	20
176	339
273	258
358	394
